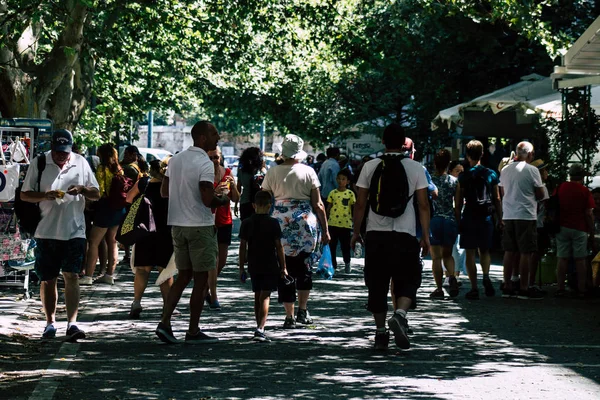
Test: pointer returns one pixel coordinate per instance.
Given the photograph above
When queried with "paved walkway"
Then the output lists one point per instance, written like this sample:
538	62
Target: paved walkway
493	348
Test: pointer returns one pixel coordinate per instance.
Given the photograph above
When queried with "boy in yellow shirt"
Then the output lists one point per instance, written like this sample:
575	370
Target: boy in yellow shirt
340	204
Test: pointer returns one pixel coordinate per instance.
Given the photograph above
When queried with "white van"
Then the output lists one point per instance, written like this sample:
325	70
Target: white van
148	153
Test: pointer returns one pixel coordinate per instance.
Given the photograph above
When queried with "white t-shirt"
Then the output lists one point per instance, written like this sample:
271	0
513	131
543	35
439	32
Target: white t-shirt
62	219
519	181
291	181
406	222
186	170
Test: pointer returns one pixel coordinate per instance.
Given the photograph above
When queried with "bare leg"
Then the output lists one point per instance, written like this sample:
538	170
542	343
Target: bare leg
49	297
393	297
102	256
448	260
113	250
472	268
96	236
561	272
524	262
263	308
289	309
581	266
213	275
508	263
140	282
197	300
436	266
71	295
485	260
183	279
303	299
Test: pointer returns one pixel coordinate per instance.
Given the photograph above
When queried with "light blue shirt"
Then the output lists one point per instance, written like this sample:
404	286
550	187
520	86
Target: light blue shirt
328	175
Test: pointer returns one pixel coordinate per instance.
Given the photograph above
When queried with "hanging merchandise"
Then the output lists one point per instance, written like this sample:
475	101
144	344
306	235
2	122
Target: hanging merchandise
9	179
18	152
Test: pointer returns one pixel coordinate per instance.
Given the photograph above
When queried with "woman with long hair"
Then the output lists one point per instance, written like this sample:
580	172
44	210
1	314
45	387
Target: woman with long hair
156	249
251	165
106	219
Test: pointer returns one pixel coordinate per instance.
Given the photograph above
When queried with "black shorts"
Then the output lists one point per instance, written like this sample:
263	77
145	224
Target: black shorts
302	275
53	256
264	282
395	256
224	234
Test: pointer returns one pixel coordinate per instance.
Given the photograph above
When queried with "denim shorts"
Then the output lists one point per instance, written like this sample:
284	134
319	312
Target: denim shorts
53	256
444	232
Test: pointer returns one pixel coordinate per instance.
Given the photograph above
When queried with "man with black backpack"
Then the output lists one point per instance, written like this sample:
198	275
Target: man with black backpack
60	190
387	185
478	189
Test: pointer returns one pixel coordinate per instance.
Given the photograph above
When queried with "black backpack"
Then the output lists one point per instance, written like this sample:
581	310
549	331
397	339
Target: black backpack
552	219
29	214
478	195
389	191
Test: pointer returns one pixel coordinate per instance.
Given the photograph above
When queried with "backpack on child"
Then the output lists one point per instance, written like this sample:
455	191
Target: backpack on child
478	195
389	191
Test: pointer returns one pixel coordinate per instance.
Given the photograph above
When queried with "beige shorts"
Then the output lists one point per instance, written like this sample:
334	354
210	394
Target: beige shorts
571	243
195	248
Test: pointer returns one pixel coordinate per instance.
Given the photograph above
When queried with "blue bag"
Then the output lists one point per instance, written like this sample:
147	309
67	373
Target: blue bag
325	269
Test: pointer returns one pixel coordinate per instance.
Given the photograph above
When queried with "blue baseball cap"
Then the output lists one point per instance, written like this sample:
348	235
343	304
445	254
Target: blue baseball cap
62	140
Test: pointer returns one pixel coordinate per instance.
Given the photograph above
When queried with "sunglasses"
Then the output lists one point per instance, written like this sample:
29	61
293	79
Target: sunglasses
214	157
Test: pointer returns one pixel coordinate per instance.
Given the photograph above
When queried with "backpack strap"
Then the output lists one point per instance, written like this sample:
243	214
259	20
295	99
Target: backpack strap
143	182
41	164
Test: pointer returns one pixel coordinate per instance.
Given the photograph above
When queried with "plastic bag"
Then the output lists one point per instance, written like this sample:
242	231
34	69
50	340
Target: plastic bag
325	269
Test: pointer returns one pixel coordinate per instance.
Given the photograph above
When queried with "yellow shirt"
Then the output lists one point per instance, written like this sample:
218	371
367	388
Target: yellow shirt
341	211
104	178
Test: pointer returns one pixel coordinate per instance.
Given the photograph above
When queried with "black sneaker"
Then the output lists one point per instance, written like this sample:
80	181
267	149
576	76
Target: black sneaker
489	288
437	294
453	290
49	332
289	323
399	326
509	293
303	317
530	294
199	338
165	333
472	294
74	334
382	340
260	337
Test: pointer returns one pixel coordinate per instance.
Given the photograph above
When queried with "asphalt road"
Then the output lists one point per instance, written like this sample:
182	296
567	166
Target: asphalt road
493	348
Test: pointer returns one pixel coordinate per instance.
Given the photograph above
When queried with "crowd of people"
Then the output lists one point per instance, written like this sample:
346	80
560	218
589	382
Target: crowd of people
390	204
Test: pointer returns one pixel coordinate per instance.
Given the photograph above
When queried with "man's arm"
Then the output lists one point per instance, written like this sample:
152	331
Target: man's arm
90	193
497	203
540	193
360	208
36	197
207	193
164	187
242	256
281	257
589	220
424	217
319	209
458	203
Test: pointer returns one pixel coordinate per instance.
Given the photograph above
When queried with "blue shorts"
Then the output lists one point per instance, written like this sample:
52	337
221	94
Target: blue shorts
444	232
476	234
105	216
264	282
52	256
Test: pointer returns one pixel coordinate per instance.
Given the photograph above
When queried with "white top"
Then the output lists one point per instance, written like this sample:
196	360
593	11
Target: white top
186	170
62	219
291	181
519	181
406	222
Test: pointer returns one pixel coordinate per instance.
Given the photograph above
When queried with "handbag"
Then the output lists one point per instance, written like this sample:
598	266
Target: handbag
12	246
325	269
9	178
139	220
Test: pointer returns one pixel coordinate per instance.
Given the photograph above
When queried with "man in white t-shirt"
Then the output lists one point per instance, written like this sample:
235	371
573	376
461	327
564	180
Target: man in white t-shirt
65	183
391	247
521	186
189	185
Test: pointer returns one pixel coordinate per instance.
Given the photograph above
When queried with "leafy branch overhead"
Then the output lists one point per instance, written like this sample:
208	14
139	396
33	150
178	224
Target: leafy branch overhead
314	67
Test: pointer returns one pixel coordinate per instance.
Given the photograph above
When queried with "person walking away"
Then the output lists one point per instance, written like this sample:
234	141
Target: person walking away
65	183
388	185
189	185
444	229
328	172
260	247
249	176
340	206
106	219
478	188
301	215
521	187
156	249
576	218
223	221
455	169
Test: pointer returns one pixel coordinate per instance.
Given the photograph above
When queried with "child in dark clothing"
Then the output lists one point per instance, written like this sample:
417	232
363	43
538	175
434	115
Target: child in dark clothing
260	245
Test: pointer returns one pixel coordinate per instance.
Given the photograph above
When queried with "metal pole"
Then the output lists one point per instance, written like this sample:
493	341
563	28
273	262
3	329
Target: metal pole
150	127
262	136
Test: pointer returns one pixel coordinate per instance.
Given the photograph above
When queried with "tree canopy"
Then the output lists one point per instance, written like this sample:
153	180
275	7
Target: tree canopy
314	67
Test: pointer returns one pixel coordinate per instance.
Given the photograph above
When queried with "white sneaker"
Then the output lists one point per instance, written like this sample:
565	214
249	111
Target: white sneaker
86	281
108	279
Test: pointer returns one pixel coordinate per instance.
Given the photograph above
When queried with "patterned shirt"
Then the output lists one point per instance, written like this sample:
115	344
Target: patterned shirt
341	211
443	206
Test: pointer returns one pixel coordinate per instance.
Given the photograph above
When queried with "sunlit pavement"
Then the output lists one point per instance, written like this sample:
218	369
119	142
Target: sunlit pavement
493	348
